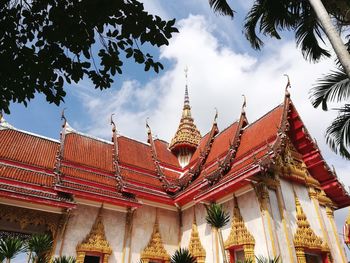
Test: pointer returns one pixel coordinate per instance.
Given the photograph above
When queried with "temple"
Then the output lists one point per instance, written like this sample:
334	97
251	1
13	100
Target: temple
123	200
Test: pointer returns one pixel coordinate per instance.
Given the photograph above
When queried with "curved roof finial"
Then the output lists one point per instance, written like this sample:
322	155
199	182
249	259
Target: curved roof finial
244	105
63	117
288	86
147	125
114	127
216	114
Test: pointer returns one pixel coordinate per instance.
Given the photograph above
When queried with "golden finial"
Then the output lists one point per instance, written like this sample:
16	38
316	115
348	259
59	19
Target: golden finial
288	86
112	123
63	117
1	115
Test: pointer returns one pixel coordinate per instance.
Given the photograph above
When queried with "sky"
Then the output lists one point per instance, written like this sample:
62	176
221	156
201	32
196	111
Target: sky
221	67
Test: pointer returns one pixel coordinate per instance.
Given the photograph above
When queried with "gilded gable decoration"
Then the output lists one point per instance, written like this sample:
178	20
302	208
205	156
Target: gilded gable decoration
239	235
155	248
305	237
95	242
195	246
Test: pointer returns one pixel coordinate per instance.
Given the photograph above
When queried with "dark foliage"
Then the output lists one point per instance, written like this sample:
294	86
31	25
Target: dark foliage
182	255
216	216
47	43
271	17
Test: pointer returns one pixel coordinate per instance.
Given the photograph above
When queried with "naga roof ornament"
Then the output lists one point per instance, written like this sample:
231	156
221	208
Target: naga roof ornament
187	134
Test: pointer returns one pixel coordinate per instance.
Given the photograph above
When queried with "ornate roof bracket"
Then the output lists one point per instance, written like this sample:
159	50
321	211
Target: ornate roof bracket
168	187
59	155
196	170
226	164
118	176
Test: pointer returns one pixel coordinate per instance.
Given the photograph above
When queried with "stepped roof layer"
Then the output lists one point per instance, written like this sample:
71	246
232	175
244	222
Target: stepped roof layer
122	171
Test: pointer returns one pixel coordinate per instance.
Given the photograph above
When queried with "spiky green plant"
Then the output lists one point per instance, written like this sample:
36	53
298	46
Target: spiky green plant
182	255
245	261
64	259
40	246
10	247
335	87
217	218
262	259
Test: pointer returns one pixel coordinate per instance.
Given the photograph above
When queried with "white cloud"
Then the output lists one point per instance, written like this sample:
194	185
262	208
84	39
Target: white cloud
217	77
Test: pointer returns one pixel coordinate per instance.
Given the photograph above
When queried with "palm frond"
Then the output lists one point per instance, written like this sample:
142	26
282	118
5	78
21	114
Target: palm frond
221	7
182	255
308	32
333	87
40	245
262	259
338	133
64	259
11	247
216	216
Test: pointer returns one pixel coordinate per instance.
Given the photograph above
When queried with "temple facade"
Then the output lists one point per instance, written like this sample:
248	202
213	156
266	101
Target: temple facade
122	201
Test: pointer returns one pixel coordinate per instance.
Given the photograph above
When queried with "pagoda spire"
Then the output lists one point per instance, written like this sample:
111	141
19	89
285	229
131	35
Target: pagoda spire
187	136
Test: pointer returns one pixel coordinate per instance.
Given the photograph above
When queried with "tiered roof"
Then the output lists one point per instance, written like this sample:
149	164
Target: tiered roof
122	171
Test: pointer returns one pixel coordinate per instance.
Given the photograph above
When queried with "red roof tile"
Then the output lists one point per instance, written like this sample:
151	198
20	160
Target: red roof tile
89	176
87	151
164	154
141	178
222	142
27	148
135	153
24	175
260	132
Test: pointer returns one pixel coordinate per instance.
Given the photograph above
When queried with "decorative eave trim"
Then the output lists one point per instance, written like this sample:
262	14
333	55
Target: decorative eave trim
170	188
194	172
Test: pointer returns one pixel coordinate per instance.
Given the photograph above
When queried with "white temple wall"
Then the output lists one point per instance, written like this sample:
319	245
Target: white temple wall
333	245
143	223
280	235
204	230
78	226
142	228
309	209
250	211
114	223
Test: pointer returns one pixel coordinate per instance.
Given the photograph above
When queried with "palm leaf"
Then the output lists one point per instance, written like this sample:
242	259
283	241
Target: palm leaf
216	216
338	133
262	259
64	259
182	255
333	87
10	247
221	7
40	245
308	32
